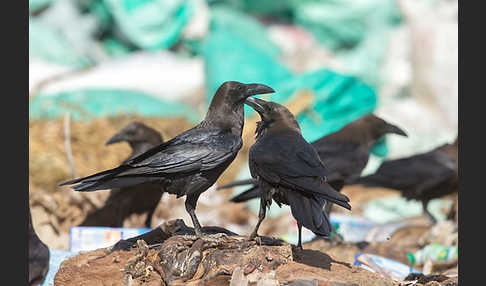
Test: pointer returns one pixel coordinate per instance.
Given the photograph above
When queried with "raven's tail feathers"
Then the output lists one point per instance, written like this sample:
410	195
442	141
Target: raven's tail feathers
307	210
247	195
111	183
95	177
313	187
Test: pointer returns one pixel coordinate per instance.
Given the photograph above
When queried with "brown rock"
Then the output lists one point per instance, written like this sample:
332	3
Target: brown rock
171	255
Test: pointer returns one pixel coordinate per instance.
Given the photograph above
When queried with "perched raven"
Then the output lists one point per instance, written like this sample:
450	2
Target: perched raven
289	170
188	164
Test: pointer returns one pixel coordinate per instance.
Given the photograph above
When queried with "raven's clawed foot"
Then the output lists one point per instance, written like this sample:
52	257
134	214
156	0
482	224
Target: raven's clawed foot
255	237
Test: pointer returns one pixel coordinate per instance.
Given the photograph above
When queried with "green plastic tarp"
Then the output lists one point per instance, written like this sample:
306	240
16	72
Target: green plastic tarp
87	104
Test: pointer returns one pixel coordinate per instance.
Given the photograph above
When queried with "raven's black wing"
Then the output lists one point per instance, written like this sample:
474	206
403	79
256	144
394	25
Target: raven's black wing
288	160
195	150
342	159
414	173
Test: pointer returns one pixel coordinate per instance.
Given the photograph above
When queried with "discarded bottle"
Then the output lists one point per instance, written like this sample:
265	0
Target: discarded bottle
435	252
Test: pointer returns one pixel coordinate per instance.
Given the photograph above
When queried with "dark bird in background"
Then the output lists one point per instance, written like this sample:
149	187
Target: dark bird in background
289	170
190	163
139	136
421	177
38	257
344	153
139	199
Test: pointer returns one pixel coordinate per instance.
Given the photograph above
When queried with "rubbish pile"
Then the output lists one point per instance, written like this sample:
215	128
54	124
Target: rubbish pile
96	65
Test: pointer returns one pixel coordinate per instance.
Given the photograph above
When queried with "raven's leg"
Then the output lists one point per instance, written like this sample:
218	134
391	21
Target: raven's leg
191	201
327	208
261	216
299	226
335	238
148	220
426	211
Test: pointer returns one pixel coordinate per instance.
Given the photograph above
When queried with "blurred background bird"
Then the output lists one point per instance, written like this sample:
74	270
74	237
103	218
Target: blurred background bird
139	199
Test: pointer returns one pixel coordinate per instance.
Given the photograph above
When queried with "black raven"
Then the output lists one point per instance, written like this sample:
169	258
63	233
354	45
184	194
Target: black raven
188	164
289	170
422	177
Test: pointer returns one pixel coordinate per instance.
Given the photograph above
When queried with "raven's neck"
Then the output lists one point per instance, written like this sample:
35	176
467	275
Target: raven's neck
277	127
225	117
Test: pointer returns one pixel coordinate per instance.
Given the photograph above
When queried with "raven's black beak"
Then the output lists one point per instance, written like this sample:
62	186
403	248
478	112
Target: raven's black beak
390	128
257	104
115	139
255	88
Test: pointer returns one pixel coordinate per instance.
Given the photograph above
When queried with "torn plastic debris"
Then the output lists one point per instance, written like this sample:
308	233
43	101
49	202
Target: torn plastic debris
352	228
384	231
85	238
434	252
87	104
384	266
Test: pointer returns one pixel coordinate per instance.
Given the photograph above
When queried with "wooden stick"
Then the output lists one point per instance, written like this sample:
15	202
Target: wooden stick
67	143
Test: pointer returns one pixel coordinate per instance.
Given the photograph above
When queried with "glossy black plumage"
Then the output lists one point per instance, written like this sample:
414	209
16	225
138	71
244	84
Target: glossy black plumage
188	164
289	170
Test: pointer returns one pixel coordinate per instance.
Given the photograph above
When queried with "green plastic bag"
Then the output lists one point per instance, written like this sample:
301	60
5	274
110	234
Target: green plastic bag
151	24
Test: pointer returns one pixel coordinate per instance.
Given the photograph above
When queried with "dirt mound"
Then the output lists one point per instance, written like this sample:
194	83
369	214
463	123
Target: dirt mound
174	256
